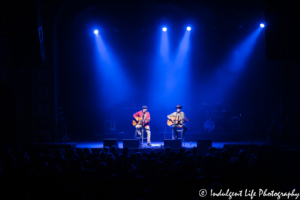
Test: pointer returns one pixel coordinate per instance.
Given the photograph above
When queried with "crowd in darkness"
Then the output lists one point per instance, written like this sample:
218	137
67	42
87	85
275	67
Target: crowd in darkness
75	173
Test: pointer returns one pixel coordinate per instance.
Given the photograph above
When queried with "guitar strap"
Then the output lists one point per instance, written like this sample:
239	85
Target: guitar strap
177	118
144	116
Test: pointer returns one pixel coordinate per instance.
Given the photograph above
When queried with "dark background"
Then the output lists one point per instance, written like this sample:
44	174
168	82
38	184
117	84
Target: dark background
132	30
55	39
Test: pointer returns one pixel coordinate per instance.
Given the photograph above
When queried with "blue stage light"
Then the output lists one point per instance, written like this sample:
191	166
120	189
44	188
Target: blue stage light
96	32
262	25
164	29
188	28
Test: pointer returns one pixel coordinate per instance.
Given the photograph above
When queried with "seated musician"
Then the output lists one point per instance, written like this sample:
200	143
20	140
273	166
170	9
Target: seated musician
144	119
180	118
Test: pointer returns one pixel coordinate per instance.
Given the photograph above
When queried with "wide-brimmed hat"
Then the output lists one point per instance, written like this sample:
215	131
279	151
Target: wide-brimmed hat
178	106
145	107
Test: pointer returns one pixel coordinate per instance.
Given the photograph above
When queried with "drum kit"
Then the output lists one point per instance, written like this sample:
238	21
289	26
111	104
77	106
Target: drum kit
214	117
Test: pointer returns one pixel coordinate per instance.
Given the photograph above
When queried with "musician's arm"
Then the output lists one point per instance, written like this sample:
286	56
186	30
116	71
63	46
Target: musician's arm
184	117
171	115
135	115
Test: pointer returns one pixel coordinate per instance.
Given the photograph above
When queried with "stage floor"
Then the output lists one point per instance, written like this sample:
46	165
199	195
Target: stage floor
218	145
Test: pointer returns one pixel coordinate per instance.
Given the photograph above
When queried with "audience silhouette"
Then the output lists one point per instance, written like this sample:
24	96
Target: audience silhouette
68	173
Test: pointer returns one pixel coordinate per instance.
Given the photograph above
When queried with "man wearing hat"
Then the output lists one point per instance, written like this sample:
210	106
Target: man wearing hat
180	119
144	122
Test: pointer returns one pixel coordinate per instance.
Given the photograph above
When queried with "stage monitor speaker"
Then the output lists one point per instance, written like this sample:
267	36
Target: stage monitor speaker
131	143
203	145
109	142
173	144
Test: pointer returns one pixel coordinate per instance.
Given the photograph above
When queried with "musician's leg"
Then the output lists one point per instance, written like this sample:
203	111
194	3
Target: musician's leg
175	131
147	128
184	130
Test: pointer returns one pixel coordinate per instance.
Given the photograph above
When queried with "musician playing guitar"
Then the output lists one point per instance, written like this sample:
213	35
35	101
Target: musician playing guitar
141	120
178	118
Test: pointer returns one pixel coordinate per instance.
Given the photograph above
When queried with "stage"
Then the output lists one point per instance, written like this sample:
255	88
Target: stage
190	136
96	146
238	140
159	145
157	140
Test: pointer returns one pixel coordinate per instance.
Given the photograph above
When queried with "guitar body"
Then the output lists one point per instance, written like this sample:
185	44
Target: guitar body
134	122
173	121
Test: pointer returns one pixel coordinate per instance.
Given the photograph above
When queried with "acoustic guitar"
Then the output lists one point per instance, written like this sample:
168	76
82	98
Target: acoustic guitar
173	121
134	122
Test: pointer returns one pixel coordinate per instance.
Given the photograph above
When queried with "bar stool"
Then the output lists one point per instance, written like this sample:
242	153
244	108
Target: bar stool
140	137
179	130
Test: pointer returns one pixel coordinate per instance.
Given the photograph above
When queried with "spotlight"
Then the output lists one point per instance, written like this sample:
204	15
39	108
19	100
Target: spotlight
96	32
164	29
188	28
262	25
